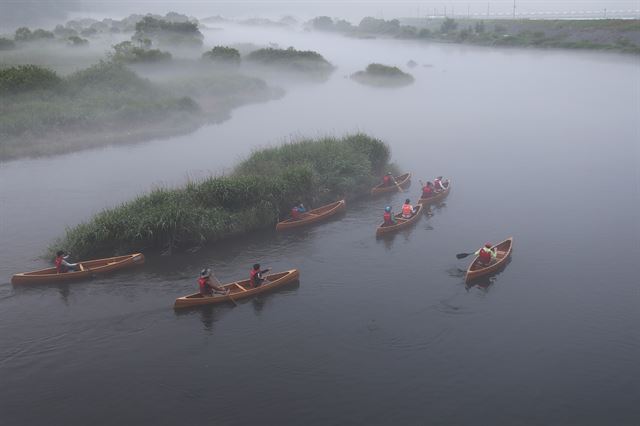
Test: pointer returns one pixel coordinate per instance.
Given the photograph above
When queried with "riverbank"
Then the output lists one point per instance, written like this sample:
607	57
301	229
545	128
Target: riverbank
259	191
621	35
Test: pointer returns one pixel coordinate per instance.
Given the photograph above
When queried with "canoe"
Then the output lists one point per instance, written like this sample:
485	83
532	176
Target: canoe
87	269
313	216
437	197
401	222
477	270
403	181
238	290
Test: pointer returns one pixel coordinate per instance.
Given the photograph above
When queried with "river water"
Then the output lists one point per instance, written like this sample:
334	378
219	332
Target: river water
540	145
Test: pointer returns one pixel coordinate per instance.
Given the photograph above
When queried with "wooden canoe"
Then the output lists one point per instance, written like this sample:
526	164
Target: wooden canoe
238	290
437	197
477	270
313	216
87	269
403	181
401	222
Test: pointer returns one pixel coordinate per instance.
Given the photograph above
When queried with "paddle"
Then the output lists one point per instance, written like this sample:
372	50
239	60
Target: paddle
398	185
463	255
231	298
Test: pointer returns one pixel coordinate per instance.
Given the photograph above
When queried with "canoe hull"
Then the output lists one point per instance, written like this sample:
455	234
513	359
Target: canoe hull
91	267
314	216
403	181
384	230
475	270
436	198
237	293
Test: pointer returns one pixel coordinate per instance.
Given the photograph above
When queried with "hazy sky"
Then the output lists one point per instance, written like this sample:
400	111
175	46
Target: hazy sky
14	12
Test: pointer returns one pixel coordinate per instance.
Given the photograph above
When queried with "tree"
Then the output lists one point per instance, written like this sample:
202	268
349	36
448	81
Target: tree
449	25
22	34
322	23
224	54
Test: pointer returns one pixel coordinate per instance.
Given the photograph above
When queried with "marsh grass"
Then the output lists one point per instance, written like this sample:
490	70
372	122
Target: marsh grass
260	190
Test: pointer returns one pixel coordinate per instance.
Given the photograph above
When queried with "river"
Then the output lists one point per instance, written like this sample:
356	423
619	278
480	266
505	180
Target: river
540	145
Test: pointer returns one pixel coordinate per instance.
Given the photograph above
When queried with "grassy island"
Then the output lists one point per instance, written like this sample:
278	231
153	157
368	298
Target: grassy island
302	61
42	112
382	76
259	191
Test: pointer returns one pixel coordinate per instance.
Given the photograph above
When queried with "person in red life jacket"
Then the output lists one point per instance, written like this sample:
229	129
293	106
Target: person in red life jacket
486	254
388	179
428	190
295	213
407	209
255	276
62	265
439	184
389	218
209	285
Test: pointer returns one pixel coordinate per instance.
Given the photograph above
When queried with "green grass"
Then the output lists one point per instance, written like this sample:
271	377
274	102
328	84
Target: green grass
383	75
259	191
306	61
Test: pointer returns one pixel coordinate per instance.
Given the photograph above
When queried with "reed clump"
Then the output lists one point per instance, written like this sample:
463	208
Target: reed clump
260	190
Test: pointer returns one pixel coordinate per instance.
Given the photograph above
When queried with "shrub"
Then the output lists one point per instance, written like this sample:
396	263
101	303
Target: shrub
128	52
447	26
77	41
166	32
382	75
7	44
223	54
23	78
298	60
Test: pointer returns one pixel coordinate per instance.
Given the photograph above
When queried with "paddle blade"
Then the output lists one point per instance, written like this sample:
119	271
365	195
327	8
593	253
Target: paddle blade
462	255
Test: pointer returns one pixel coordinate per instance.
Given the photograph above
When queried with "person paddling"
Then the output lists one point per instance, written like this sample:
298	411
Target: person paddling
62	265
255	276
297	211
486	255
407	209
428	190
439	184
389	218
388	179
209	285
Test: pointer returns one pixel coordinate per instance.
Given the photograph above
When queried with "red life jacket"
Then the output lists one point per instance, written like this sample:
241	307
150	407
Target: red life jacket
295	214
485	255
59	263
386	180
387	218
253	277
205	288
426	191
407	210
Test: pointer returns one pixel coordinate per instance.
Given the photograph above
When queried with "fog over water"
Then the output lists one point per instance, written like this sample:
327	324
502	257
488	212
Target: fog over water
540	145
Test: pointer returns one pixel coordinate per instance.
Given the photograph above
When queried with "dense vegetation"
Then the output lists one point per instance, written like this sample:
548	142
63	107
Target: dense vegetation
130	53
382	75
106	97
305	61
620	35
261	189
26	78
165	32
223	55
